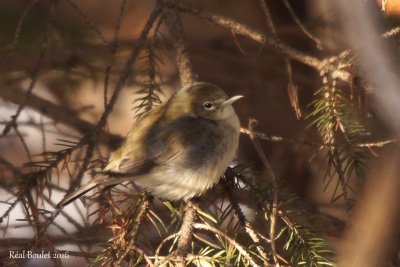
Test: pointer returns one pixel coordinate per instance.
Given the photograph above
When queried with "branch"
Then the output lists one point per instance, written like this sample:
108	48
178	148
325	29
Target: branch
183	58
143	210
35	74
245	223
59	114
279	139
187	77
257	36
252	123
185	232
301	25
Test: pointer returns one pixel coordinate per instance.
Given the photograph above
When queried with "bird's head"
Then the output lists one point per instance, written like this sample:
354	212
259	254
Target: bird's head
203	100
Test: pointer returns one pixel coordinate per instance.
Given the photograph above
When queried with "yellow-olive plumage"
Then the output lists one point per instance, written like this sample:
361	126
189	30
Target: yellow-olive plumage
180	149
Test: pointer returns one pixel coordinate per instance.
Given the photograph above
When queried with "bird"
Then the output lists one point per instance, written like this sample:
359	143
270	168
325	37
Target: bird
179	150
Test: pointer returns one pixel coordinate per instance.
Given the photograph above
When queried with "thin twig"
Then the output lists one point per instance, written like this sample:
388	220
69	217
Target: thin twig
118	88
114	48
271	175
243	251
35	73
161	245
10	166
292	88
58	113
89	22
245	223
23	142
301	25
392	32
268	17
278	139
21	21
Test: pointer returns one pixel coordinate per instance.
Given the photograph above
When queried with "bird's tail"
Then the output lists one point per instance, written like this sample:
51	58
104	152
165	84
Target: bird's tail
86	188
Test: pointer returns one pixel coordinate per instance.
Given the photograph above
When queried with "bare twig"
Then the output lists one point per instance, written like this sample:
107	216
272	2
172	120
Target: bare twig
21	21
35	73
118	88
23	142
114	47
292	88
301	25
271	175
89	22
392	32
278	139
268	17
10	166
56	112
161	245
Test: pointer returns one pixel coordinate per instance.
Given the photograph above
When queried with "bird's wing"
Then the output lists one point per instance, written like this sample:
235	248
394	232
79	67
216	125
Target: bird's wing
180	141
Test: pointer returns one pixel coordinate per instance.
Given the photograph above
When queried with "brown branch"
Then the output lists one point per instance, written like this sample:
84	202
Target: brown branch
143	210
259	37
279	139
392	32
58	113
183	58
185	232
187	77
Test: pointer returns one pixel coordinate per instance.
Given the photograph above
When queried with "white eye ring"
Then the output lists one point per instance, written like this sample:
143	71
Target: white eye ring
209	106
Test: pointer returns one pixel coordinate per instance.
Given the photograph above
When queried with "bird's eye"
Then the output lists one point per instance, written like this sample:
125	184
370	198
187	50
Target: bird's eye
208	106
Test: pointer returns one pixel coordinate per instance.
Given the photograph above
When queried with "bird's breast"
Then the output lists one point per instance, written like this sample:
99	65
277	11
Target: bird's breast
206	148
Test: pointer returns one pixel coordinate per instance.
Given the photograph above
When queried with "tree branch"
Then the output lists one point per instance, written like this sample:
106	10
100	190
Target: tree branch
183	58
57	113
242	29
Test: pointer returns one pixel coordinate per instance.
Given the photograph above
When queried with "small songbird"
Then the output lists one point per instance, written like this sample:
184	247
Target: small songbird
180	149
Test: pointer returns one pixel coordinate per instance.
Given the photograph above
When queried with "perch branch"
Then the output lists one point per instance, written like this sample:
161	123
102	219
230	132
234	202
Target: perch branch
185	232
187	77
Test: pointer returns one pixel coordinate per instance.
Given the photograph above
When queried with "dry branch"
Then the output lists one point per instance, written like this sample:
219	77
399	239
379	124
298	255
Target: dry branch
242	29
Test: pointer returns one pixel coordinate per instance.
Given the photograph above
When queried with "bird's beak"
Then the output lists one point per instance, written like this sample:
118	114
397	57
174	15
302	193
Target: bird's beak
231	100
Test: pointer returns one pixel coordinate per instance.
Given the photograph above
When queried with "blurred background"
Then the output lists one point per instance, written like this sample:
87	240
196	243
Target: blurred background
61	60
